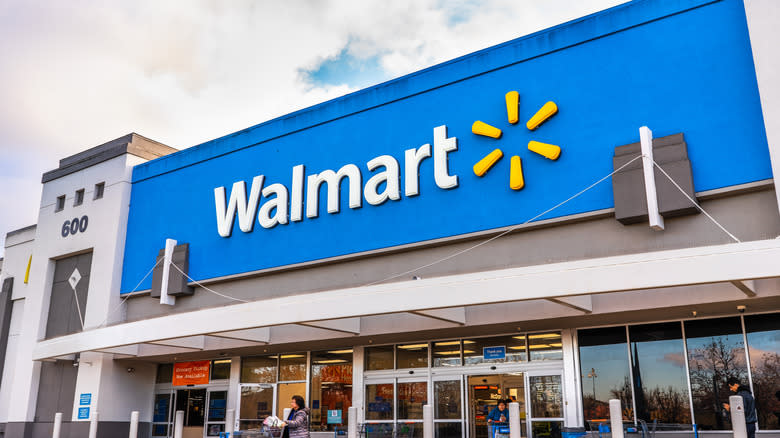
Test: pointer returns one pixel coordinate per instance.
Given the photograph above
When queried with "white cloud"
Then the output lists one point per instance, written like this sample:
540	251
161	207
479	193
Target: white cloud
76	74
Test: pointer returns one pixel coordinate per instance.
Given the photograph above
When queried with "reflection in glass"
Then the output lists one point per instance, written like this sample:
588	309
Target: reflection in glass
546	396
285	393
448	430
379	430
514	347
260	369
546	429
604	372
447	403
412	355
331	386
164	373
446	353
379	358
409	430
411	398
763	335
292	366
545	346
256	404
716	352
379	401
220	369
658	367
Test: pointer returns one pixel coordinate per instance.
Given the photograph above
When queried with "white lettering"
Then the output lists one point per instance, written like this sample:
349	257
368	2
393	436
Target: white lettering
441	146
238	202
296	202
390	176
333	181
412	160
278	205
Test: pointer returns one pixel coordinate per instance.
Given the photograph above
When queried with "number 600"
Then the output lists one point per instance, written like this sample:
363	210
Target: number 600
74	226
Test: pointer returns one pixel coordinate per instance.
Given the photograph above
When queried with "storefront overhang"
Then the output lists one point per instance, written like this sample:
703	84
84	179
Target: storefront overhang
443	298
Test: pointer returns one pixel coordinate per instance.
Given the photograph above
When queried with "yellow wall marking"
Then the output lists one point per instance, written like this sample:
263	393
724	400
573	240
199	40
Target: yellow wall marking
516	181
550	151
512	106
482	128
545	112
487	162
27	273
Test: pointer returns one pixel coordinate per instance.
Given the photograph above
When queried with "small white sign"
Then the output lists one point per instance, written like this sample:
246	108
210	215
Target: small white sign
74	279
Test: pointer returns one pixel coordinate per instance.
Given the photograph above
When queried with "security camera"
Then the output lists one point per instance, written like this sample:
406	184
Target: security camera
130	369
741	309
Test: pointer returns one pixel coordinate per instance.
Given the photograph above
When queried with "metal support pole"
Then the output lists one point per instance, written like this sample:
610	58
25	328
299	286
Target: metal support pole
178	428
230	421
352	421
57	425
616	418
93	425
514	420
428	431
737	409
133	425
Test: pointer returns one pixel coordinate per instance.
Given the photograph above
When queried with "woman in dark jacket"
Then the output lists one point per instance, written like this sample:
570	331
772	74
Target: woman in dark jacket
499	416
297	424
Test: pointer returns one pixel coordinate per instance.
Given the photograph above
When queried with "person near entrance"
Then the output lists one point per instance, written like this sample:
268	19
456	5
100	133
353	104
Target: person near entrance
748	402
297	423
498	417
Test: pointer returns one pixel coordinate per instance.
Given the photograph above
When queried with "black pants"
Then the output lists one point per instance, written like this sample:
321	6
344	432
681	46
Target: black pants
751	430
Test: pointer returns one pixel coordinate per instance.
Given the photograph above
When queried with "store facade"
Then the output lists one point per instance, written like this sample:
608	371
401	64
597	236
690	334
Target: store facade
378	251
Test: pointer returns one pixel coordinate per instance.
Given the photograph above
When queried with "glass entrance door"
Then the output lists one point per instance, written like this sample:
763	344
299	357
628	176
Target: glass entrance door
256	402
545	396
484	394
193	403
162	417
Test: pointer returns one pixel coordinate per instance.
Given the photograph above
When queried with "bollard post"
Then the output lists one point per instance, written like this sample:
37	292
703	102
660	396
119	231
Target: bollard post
230	421
93	425
514	420
352	422
179	425
57	425
133	425
428	431
616	418
737	409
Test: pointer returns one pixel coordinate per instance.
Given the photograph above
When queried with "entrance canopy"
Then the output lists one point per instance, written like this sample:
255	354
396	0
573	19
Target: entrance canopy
628	283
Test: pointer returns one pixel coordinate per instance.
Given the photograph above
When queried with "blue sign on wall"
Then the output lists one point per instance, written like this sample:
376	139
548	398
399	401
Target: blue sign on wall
494	352
673	66
83	414
85	399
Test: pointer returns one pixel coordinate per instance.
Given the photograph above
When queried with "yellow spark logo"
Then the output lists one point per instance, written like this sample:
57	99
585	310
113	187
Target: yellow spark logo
551	151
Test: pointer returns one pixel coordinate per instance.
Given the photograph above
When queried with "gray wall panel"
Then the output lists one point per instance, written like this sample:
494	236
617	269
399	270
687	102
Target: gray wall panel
63	315
56	390
6	306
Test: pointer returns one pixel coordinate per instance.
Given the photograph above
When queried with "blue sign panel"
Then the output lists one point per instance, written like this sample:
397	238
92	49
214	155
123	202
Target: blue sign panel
85	399
83	414
259	199
494	352
334	416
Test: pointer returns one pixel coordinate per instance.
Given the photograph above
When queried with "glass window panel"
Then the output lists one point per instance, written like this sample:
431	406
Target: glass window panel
162	404
446	353
260	369
217	405
285	393
545	346
514	347
379	401
165	373
379	430
220	369
658	366
546	396
411	398
448	430
292	366
546	429
256	404
447	403
214	429
763	334
716	352
412	355
604	371
331	386
409	430
379	358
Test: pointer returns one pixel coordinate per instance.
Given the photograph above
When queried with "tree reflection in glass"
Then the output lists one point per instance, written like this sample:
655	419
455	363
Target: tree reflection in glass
605	372
763	336
716	352
658	367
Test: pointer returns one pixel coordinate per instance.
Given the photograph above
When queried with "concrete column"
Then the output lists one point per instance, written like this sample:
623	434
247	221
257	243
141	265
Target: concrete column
178	427
133	425
57	425
616	418
428	431
352	421
230	420
514	420
737	410
93	425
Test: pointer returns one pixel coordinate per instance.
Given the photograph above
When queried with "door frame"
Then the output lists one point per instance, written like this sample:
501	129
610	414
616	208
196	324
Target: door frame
529	416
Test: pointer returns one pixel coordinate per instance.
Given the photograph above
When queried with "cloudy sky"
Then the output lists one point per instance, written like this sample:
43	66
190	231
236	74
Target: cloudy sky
75	74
